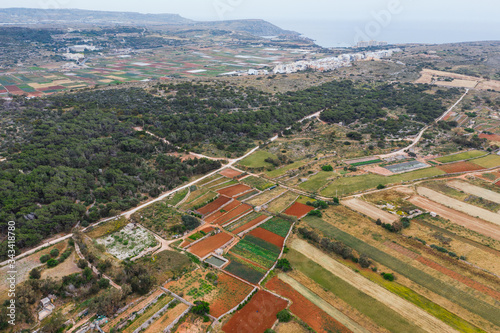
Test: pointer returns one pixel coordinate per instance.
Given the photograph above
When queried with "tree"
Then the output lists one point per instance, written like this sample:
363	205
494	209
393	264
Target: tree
315	213
103	283
81	263
190	222
364	261
201	308
380	187
35	274
52	262
388	276
355	136
44	258
284	316
379	221
284	265
327	168
336	201
54	253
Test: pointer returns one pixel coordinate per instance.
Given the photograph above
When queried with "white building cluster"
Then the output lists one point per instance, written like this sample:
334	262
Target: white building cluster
331	63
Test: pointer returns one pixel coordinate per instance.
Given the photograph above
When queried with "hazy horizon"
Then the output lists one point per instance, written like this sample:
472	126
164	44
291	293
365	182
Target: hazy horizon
330	23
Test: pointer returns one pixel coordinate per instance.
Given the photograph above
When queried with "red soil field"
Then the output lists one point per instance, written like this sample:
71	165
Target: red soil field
454	275
268	236
3	91
497	184
212	243
52	88
312	315
208	229
227	208
214	205
235	190
232	292
459	277
460	167
243	208
299	210
491	137
230	173
186	242
258	315
13	89
249	224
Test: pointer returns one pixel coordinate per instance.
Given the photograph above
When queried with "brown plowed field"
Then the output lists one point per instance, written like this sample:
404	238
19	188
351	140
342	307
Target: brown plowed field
472	223
231	292
312	315
370	210
241	209
299	210
460	167
229	207
472	210
402	250
250	224
491	137
406	309
230	173
268	236
212	243
475	190
235	190
214	205
258	315
459	277
454	275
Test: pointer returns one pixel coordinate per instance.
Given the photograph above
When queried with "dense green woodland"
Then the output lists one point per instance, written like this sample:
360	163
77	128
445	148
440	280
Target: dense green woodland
76	157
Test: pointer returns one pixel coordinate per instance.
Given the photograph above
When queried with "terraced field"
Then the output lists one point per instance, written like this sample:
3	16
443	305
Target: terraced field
257	250
439	287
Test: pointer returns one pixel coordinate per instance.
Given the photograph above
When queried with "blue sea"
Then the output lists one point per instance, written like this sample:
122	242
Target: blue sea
345	34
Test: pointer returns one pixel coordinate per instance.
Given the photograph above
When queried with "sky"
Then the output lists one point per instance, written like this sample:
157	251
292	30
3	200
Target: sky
338	21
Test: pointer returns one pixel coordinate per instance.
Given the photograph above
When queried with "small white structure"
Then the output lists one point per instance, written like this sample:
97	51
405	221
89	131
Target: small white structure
47	308
433	214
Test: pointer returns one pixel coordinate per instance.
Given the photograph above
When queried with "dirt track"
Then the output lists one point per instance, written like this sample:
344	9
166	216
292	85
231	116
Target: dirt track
406	309
370	210
475	190
460	206
480	226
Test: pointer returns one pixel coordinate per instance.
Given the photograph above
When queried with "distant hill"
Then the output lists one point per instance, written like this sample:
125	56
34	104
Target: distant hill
62	17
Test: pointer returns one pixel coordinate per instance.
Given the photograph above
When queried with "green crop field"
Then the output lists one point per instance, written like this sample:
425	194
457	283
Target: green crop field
317	181
490	161
257	250
378	312
366	163
244	270
177	197
278	226
257	183
461	156
257	160
455	295
348	185
281	171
